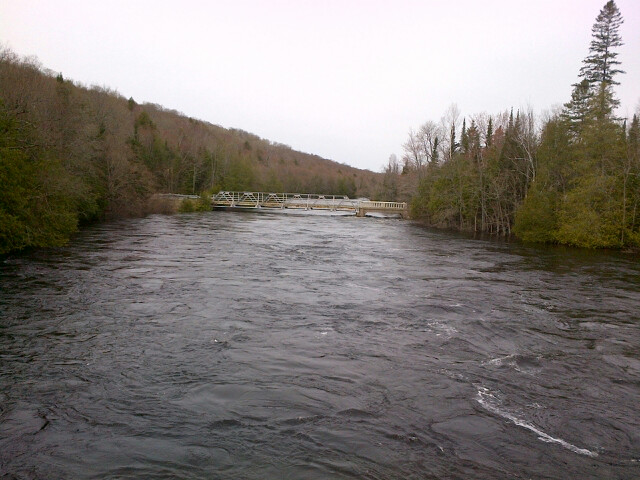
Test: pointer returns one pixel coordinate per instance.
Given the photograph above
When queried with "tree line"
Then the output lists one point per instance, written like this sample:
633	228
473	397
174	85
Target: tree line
575	180
71	154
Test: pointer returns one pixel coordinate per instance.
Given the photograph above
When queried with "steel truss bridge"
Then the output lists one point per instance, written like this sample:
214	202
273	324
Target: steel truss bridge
306	201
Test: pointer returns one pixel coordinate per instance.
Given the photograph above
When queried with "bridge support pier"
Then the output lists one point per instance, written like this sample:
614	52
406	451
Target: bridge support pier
362	212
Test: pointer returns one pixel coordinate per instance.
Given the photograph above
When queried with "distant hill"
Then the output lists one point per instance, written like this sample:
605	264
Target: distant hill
71	154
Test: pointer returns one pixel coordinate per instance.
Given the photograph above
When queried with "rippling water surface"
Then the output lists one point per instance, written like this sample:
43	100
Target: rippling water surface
270	346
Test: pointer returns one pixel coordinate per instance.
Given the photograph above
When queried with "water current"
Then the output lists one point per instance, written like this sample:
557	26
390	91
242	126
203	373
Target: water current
226	345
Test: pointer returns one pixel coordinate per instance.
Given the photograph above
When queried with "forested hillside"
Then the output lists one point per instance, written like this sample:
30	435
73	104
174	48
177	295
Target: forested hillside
71	154
573	180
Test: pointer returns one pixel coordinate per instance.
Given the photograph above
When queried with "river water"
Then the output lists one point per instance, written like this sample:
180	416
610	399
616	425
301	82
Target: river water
231	345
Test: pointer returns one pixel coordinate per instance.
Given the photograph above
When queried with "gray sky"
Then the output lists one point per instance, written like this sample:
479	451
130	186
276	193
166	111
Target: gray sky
344	79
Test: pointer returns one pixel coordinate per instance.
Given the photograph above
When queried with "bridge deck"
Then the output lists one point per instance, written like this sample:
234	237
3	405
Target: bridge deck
305	201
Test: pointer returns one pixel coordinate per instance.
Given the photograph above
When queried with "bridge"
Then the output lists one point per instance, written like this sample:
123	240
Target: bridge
306	201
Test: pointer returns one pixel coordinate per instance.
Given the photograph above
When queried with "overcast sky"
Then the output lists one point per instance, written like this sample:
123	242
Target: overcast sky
344	79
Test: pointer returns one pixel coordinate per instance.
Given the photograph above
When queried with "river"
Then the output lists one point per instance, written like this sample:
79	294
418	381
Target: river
225	345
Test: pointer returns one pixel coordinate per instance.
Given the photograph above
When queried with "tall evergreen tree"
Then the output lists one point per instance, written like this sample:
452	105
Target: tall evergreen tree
510	124
464	139
601	64
453	145
577	111
585	194
434	151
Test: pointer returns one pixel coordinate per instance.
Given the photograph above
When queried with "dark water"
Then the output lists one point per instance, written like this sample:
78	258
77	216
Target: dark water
247	346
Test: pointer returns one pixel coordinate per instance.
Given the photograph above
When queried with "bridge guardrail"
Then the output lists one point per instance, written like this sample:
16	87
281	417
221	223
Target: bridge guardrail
307	201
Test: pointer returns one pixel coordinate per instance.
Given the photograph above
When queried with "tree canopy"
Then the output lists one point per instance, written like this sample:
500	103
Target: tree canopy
574	180
71	154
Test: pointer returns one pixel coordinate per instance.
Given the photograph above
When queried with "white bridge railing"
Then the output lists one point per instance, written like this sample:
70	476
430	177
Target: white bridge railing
306	201
368	204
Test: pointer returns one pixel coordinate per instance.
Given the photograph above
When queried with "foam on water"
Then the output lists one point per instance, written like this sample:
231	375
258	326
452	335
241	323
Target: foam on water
489	401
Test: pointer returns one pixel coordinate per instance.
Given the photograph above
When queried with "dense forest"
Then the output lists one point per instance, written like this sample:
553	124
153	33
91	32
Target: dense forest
71	154
572	178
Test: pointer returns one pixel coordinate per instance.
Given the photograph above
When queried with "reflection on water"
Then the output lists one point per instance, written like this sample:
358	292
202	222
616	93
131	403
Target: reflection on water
250	346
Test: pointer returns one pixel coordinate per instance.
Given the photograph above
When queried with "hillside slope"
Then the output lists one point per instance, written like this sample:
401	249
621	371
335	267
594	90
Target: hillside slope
71	154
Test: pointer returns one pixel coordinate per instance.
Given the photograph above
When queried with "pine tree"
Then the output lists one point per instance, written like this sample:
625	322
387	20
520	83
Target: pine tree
489	133
593	209
634	135
510	125
453	145
434	151
464	138
577	111
601	64
517	126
